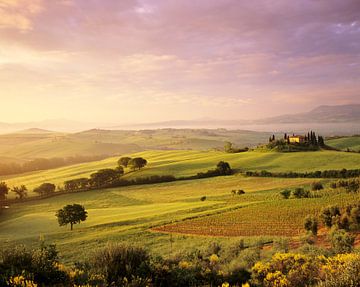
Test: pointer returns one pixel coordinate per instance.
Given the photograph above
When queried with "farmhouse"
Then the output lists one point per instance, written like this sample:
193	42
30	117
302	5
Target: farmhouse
296	139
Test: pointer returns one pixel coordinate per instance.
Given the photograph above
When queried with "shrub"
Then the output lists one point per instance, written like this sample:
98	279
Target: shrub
286	270
299	192
40	265
328	214
285	193
117	262
311	224
341	241
317	186
342	270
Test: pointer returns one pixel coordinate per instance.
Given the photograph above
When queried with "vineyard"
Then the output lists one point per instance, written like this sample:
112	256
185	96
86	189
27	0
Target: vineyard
277	217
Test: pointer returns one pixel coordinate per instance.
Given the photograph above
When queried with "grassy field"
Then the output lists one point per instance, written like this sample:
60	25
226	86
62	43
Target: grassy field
145	214
344	143
186	163
129	213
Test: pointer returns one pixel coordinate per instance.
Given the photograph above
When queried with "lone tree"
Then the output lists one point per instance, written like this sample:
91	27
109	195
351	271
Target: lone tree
71	214
137	163
124	161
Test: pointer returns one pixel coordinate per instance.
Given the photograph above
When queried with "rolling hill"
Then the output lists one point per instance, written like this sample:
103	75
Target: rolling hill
37	143
321	114
186	163
344	143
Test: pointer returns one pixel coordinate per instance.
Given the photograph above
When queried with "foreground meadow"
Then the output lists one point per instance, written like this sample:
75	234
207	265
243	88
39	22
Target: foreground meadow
131	213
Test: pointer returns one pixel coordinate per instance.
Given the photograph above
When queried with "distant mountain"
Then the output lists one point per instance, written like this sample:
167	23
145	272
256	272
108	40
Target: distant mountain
321	114
60	125
328	116
180	124
36	131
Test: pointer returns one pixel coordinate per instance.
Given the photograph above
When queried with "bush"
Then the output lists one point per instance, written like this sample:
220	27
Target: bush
311	224
299	192
286	270
317	186
341	241
328	215
285	193
119	262
40	265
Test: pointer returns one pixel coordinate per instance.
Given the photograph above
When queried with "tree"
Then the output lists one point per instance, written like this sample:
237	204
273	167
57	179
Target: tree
137	163
311	224
45	188
228	147
105	177
71	214
21	191
285	193
4	190
76	184
124	161
223	168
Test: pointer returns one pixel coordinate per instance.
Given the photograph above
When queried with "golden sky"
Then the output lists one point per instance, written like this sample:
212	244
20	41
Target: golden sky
126	61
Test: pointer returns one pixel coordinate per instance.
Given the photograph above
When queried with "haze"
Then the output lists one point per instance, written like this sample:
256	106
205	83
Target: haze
142	61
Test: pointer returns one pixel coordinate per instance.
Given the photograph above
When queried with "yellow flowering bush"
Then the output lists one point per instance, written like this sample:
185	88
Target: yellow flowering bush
286	269
341	270
21	281
214	259
276	279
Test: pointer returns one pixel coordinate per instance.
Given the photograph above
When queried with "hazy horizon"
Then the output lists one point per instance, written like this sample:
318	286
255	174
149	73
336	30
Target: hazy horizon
149	61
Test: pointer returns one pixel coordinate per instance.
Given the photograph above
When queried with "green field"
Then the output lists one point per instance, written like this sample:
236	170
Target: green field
144	214
343	143
129	213
187	163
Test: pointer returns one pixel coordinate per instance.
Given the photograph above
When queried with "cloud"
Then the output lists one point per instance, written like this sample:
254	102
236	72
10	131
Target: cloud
18	14
227	57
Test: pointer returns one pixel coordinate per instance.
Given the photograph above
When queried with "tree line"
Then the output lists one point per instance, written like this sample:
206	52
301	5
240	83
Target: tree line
107	178
333	173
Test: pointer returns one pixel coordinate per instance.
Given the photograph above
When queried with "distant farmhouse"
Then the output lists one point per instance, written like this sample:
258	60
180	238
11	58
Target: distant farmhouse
297	139
309	139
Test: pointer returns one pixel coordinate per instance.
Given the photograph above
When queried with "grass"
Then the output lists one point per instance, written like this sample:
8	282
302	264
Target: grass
343	143
129	213
136	214
186	163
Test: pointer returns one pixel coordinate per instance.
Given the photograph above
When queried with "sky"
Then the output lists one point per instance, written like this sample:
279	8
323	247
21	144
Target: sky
125	61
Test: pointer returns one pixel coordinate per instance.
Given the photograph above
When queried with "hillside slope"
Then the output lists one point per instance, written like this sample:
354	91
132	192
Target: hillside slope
186	163
35	143
344	143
